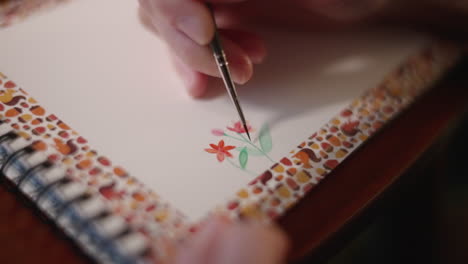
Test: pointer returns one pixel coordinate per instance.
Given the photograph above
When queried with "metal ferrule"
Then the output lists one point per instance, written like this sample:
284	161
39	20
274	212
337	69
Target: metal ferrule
221	59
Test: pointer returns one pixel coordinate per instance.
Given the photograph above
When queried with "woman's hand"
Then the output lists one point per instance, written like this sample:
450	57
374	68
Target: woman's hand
187	27
221	241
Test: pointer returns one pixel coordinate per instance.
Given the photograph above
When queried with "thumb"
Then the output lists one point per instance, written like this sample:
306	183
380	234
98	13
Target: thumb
252	243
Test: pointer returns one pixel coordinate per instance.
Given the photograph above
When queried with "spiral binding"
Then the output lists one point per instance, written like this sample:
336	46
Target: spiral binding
106	237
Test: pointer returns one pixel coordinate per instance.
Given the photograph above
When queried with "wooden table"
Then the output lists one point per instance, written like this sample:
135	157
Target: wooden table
315	228
352	191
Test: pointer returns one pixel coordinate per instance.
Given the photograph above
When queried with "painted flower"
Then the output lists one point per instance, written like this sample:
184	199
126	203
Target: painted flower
217	132
220	150
239	128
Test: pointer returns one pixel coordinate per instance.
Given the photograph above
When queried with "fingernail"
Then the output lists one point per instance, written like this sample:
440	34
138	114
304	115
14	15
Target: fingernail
194	28
256	50
244	73
257	58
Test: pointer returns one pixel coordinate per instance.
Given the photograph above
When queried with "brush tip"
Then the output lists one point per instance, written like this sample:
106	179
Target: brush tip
246	128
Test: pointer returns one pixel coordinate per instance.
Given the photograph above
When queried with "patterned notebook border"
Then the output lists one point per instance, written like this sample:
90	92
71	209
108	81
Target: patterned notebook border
269	195
266	197
141	208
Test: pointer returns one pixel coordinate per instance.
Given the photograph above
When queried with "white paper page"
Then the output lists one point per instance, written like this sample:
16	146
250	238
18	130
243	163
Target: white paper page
94	65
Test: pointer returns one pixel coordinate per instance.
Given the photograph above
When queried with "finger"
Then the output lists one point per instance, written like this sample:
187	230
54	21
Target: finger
253	45
174	18
145	20
187	17
252	244
203	244
240	63
195	82
200	58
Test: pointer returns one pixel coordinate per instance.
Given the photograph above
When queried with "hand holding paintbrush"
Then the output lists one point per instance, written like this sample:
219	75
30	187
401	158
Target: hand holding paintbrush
187	26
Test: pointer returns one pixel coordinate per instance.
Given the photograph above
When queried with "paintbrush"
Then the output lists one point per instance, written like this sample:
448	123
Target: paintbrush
223	66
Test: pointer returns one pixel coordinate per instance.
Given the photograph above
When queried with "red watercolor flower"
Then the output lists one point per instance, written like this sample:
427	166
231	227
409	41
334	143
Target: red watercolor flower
220	150
239	128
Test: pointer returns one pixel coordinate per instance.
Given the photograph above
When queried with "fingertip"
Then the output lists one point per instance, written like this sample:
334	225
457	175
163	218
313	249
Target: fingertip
240	63
244	72
199	28
195	82
256	50
190	18
196	63
251	43
258	56
252	242
197	88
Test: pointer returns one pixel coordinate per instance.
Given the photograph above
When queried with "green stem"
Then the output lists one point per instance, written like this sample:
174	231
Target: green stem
253	145
243	139
237	166
236	138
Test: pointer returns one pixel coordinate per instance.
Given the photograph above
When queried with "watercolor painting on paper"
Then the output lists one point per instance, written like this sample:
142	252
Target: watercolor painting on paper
242	151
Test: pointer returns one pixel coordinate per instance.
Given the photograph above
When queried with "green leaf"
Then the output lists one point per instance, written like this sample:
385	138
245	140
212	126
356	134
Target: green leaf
251	151
265	139
243	157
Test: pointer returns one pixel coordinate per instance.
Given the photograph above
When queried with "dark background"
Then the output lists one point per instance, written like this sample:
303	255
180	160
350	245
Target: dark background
426	219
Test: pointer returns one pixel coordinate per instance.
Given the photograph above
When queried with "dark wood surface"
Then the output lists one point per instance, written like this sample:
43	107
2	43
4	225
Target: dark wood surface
324	218
26	238
319	218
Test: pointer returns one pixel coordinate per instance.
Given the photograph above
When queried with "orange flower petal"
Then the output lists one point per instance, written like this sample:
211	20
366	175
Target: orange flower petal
228	148
214	151
214	146
220	156
221	144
